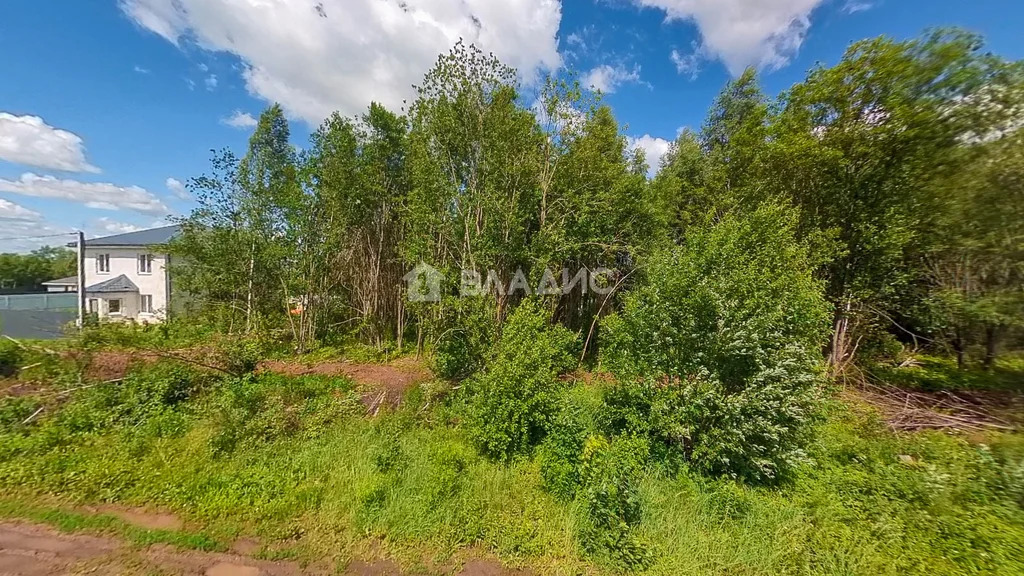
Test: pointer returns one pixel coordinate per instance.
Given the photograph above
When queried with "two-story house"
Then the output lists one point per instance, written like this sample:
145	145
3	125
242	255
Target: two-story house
126	275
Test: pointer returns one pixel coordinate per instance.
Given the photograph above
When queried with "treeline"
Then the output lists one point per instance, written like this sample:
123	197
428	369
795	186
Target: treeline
27	272
899	170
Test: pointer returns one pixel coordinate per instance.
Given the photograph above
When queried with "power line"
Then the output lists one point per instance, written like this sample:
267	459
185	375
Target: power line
38	237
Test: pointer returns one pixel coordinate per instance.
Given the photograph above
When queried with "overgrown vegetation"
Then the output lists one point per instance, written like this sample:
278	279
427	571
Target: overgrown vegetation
673	414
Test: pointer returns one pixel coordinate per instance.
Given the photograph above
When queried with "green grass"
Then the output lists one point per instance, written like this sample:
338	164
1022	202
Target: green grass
312	477
11	506
935	373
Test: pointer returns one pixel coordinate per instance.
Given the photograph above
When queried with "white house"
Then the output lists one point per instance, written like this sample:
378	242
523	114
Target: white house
126	275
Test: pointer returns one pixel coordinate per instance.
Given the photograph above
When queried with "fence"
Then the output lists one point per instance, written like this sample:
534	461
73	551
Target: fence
39	316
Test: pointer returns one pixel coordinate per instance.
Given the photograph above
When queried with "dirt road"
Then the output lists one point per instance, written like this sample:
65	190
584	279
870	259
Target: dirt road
35	550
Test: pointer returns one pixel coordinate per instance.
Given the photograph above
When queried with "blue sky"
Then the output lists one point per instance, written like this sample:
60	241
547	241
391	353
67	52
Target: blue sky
106	107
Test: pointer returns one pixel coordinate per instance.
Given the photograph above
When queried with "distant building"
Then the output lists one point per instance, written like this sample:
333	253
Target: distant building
126	275
69	284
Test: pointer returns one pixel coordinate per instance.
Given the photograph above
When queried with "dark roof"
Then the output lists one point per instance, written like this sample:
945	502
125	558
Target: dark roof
149	237
117	284
69	281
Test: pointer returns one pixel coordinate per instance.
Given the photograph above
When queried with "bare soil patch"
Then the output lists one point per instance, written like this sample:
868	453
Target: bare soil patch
382	384
34	550
28	550
142	518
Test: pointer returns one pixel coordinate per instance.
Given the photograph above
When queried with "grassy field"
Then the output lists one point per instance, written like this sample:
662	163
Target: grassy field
297	463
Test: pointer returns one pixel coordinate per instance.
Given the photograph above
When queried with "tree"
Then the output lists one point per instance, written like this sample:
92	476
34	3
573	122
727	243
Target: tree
855	148
26	272
976	265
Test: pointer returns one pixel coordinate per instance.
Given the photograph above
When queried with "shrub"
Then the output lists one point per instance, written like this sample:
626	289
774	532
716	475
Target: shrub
239	356
560	454
719	352
464	337
10	358
258	408
610	473
516	397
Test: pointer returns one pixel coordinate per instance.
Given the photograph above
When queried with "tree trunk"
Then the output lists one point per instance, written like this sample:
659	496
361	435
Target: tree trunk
991	343
958	346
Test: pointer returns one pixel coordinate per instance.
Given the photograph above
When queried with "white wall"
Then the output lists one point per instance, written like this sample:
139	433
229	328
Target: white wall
125	261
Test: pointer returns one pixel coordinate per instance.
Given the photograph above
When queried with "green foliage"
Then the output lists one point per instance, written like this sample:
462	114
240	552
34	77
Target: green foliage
560	454
239	356
718	352
255	409
515	399
610	475
10	358
936	373
27	272
466	331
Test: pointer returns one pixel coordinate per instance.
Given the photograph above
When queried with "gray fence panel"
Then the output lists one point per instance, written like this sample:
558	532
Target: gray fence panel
37	316
36	324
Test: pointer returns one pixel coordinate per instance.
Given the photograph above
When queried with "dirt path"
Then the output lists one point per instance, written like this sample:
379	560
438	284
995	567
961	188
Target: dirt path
381	383
34	550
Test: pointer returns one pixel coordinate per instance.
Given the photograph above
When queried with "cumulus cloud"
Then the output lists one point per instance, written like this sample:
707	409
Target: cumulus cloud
92	194
211	82
239	119
654	148
741	33
30	141
11	211
178	189
607	78
104	226
315	58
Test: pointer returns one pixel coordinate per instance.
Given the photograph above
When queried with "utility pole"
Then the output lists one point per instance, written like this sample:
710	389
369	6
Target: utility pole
81	279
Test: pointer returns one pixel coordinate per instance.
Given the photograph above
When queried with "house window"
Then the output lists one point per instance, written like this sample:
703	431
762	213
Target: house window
145	263
103	263
114	306
94	306
146	304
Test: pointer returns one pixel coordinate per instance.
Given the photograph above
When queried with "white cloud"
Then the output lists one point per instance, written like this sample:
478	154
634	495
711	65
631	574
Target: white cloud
26	235
317	58
687	64
239	119
654	148
93	194
30	141
105	226
178	189
211	82
11	211
741	33
141	70
854	6
607	78
22	229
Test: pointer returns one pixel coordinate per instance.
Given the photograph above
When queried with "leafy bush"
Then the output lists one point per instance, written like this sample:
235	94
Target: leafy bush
239	356
561	452
516	397
465	337
718	353
10	358
255	409
610	473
